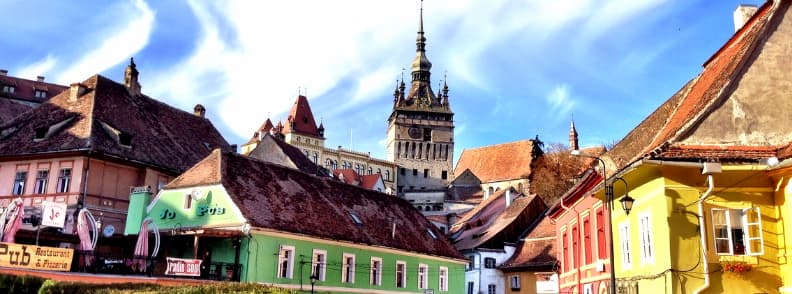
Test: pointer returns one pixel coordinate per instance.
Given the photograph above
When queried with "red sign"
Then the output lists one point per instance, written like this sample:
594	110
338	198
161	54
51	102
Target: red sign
183	267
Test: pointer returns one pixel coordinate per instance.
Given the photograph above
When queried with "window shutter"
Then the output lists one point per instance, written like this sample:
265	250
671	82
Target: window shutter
721	231
752	225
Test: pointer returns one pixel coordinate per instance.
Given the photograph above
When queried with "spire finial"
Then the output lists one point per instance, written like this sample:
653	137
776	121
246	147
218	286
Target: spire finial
420	21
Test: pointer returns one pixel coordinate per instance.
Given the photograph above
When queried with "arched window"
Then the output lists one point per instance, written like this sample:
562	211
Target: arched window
387	175
520	188
315	157
490	190
335	164
379	171
328	164
371	170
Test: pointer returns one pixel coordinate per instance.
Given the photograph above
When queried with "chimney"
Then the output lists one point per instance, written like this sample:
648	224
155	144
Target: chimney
742	14
40	79
199	110
508	197
3	72
75	91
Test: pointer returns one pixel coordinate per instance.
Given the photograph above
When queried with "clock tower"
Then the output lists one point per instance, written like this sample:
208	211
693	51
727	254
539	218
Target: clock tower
420	137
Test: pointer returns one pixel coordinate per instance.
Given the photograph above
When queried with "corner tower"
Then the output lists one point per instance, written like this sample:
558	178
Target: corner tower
420	137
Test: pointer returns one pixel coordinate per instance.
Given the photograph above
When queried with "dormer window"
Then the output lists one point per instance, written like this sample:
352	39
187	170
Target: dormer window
125	139
431	234
9	89
355	219
40	94
40	133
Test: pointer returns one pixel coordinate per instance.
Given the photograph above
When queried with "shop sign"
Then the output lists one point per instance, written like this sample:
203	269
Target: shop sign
183	267
53	214
35	257
207	210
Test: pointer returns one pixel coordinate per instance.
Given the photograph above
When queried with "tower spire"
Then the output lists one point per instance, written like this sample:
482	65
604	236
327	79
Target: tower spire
573	136
420	66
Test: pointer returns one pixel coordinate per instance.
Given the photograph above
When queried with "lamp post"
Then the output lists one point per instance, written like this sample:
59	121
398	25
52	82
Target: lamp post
314	278
626	202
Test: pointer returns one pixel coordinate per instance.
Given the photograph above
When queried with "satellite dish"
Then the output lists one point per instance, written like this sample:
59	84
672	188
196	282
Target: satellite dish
198	195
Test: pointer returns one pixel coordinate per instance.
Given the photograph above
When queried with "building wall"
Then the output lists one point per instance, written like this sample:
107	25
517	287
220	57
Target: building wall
528	282
521	185
432	157
481	276
782	181
262	251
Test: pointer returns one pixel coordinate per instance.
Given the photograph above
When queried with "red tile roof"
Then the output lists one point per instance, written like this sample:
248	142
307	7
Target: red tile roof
370	181
499	162
658	135
25	90
103	118
278	198
301	119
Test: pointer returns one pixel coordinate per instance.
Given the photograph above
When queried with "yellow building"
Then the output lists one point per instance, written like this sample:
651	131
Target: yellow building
710	194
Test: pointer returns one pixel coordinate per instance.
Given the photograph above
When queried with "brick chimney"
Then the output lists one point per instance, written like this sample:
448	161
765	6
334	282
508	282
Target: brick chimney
742	14
75	91
3	72
40	79
199	110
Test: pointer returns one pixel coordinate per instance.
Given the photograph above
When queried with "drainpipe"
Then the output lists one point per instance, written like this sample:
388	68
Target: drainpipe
709	168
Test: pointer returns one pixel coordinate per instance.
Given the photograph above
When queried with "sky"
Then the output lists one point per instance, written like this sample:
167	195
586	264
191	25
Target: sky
515	69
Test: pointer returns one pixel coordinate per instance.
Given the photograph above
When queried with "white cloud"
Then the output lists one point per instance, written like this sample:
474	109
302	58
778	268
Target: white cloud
39	68
117	43
560	101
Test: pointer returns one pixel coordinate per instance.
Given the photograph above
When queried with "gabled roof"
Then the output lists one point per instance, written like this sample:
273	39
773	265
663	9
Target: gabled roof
537	251
107	120
720	114
497	223
274	197
273	149
370	181
499	162
266	127
347	175
301	119
25	90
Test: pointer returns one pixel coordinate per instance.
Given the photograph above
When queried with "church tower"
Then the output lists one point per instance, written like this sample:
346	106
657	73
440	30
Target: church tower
420	138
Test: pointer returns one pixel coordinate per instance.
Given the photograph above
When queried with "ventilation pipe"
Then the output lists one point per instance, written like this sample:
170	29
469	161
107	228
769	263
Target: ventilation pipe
508	197
708	169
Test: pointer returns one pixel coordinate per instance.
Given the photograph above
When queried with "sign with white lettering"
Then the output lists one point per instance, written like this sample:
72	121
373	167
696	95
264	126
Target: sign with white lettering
183	267
35	257
53	214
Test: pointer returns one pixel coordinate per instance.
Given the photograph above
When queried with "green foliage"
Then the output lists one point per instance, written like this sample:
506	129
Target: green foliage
19	284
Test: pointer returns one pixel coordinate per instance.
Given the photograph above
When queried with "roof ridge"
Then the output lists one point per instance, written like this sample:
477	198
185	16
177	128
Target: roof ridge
499	144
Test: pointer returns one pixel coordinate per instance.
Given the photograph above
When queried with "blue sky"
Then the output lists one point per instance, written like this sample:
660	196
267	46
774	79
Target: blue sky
515	69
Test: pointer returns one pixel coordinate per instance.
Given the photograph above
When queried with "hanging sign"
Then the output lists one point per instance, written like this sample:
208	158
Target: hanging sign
183	267
53	214
35	257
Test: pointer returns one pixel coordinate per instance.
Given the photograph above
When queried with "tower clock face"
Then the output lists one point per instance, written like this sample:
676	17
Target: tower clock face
414	132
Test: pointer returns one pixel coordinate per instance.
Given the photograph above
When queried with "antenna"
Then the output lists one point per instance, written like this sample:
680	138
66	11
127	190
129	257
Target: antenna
402	73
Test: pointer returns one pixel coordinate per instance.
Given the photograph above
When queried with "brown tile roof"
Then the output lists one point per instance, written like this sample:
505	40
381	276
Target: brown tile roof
656	136
25	90
498	162
497	223
273	149
537	251
301	119
723	153
278	198
10	109
103	118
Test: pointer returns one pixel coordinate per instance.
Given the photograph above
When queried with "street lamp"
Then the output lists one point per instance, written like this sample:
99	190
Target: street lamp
314	278
626	202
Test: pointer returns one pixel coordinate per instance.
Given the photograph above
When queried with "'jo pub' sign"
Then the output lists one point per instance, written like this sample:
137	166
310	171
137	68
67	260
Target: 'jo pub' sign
201	210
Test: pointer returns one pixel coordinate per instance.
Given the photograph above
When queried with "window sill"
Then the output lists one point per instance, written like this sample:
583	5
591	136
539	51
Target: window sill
749	259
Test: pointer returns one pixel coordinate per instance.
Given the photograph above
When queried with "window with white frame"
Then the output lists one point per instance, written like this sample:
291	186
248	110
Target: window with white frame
286	262
624	236
423	271
647	250
41	182
443	279
491	289
375	276
470	287
64	179
515	282
489	262
319	264
737	231
401	274
19	182
348	268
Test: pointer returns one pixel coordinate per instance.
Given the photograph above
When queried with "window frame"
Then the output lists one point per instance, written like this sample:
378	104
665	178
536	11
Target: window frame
624	238
744	224
423	276
403	271
321	265
647	245
20	178
492	289
42	178
514	282
348	268
375	271
487	262
442	276
288	261
64	180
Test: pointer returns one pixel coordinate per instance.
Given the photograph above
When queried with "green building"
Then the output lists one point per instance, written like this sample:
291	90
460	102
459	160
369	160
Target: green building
255	221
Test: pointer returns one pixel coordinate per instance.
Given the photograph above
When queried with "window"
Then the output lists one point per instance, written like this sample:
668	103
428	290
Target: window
375	277
387	175
470	288
426	173
587	239
489	262
601	248
624	235
286	262
316	158
319	263
469	265
515	282
565	250
402	171
371	170
737	231
19	182
348	268
444	175
328	164
415	172
40	94
422	276
64	178
575	246
41	182
647	253
491	289
9	89
401	274
427	134
443	279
